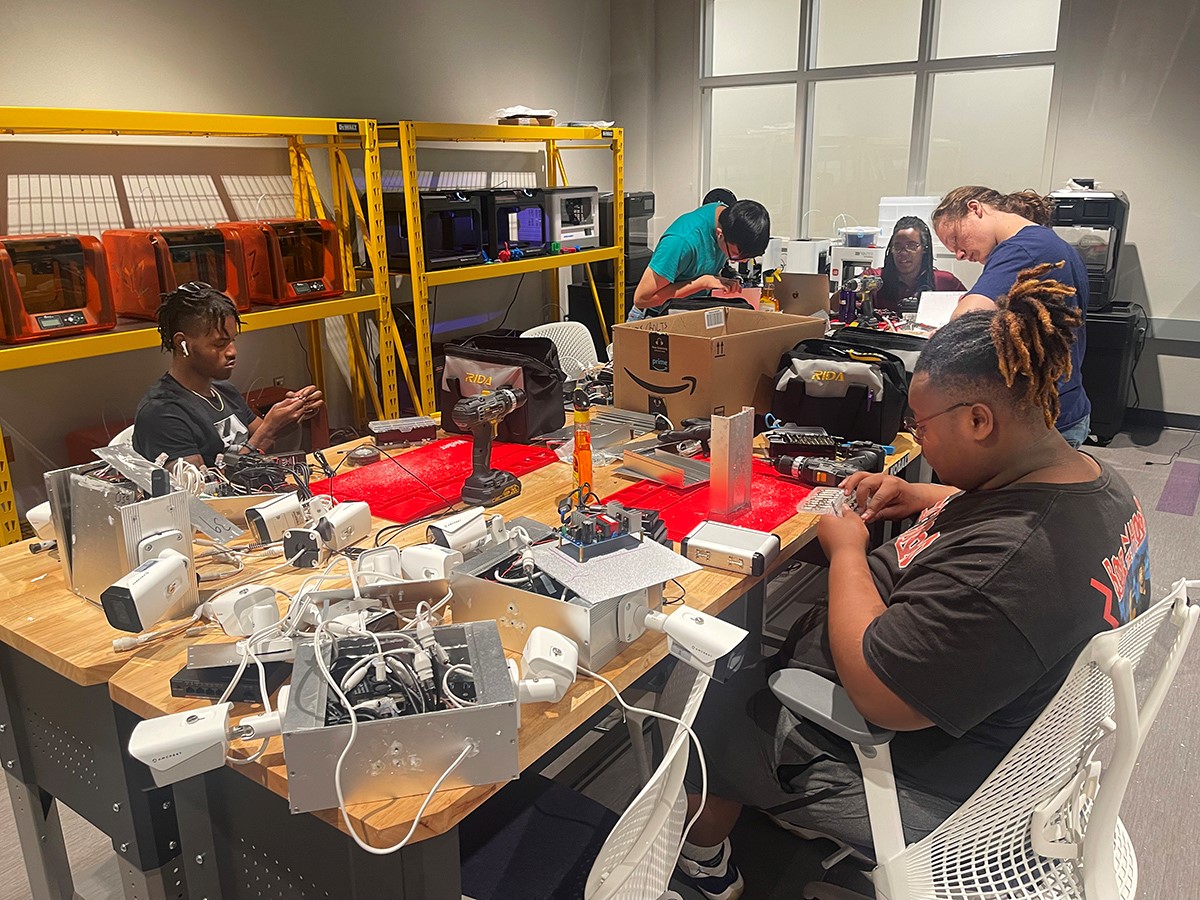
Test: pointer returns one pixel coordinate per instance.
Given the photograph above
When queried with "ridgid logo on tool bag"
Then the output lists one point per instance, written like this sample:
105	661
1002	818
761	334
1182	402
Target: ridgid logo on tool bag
478	378
828	375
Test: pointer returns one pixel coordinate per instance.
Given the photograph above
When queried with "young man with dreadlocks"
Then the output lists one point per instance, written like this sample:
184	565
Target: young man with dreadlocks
1009	233
908	268
193	412
957	633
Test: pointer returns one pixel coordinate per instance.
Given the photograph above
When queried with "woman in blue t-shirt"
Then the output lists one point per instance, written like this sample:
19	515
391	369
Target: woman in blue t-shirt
1008	233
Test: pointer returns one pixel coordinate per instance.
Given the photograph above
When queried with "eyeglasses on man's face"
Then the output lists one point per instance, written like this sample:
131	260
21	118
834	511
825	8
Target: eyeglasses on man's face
906	248
917	426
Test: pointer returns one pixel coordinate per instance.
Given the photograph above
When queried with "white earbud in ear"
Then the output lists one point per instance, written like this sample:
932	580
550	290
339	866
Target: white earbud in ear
184	347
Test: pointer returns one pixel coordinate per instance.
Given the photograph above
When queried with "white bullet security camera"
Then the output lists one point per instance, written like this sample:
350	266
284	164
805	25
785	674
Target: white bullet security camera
270	519
154	590
345	525
706	643
464	531
423	562
241	611
711	645
548	666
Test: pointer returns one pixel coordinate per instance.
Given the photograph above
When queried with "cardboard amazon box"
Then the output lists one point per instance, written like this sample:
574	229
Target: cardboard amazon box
711	361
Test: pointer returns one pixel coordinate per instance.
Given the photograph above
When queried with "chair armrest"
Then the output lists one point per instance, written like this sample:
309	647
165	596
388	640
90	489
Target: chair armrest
827	704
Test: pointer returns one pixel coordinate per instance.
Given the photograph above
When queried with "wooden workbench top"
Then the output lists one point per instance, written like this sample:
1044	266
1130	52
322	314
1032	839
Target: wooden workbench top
45	621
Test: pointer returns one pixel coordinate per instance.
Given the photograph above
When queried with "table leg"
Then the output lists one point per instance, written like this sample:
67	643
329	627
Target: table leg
40	835
240	840
67	742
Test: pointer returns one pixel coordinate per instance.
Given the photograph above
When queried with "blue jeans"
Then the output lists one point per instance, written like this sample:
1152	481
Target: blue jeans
1076	434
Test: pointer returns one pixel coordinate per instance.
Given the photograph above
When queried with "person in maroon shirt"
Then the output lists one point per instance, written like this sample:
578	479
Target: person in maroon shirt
908	266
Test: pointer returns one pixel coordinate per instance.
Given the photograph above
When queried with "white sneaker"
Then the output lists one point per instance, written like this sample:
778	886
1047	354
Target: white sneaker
717	878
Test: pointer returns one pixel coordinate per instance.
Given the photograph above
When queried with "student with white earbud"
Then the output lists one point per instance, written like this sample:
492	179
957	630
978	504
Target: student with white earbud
193	412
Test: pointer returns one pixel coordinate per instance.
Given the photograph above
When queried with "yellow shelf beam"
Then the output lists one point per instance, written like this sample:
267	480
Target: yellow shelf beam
520	266
32	120
40	353
445	131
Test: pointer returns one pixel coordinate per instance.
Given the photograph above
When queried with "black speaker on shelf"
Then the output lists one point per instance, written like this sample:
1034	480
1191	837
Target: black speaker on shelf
582	308
1114	339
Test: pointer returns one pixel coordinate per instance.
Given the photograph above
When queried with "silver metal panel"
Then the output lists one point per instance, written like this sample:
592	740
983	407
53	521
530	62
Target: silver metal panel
592	626
491	556
106	529
139	470
58	490
732	446
614	574
405	756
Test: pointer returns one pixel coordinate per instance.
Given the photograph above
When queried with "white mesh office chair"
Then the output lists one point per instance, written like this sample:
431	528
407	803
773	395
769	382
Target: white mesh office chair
1045	823
639	855
576	350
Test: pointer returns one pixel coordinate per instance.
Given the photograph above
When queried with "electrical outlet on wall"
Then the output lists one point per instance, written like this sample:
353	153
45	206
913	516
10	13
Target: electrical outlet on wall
277	381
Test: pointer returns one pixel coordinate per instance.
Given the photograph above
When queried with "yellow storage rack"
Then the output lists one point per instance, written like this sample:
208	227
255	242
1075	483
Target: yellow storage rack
302	134
406	135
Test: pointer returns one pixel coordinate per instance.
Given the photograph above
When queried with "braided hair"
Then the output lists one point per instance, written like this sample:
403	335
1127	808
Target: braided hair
890	293
191	305
1021	350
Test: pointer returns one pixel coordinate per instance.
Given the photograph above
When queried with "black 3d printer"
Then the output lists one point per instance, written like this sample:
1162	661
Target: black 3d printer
1093	221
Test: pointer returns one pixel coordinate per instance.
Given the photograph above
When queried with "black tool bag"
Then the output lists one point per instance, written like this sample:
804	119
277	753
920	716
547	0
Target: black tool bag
487	363
854	392
699	301
906	346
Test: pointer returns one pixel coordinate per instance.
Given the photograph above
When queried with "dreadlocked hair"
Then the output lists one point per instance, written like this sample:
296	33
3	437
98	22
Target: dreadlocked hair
191	306
1016	353
1033	330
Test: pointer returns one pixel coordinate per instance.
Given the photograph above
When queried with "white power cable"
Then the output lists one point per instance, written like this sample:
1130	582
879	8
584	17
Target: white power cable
682	724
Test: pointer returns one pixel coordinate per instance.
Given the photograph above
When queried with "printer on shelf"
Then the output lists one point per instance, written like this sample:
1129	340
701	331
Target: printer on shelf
1093	222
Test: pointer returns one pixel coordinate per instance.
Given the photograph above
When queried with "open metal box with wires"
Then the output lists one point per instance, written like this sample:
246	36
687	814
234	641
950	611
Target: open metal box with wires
404	750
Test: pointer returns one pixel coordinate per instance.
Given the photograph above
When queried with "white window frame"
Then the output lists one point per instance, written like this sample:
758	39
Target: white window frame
805	77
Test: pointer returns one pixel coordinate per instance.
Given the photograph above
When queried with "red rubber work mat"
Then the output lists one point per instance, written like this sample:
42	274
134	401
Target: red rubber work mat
773	500
393	493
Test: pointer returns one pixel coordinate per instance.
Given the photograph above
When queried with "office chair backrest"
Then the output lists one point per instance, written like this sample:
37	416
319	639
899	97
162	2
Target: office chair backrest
576	350
639	855
1045	818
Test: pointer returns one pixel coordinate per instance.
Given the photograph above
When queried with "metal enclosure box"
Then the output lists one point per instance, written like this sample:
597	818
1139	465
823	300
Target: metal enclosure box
591	617
99	526
403	756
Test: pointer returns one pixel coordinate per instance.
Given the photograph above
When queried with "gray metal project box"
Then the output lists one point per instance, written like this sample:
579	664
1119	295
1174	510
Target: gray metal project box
403	756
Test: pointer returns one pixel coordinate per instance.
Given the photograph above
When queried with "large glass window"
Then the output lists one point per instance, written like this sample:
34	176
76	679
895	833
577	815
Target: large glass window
853	33
987	28
855	159
1002	149
753	146
754	36
896	98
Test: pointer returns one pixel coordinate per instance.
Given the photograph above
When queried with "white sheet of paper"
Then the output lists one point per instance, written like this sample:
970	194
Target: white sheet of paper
936	307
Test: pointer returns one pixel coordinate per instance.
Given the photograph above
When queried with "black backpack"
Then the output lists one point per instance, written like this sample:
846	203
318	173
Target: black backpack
857	393
486	363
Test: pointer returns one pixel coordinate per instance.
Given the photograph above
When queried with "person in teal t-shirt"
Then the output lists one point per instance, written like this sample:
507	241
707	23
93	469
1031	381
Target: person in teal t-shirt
694	249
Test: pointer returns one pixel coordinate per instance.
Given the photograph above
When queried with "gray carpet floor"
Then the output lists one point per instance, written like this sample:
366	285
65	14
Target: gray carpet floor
1161	811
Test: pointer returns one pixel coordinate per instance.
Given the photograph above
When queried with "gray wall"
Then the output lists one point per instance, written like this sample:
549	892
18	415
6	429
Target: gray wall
452	61
1128	117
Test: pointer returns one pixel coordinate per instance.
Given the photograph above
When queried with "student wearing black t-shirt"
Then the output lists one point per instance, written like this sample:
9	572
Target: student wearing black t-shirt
959	632
193	412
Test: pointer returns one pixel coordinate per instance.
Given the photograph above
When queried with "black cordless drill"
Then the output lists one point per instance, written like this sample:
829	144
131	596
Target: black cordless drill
486	486
861	456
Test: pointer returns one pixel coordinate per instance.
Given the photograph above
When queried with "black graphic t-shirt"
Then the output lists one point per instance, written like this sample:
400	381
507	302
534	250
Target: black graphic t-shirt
991	596
173	420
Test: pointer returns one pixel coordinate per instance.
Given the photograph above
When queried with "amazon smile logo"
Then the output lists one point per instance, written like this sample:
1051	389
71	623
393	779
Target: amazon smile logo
690	385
